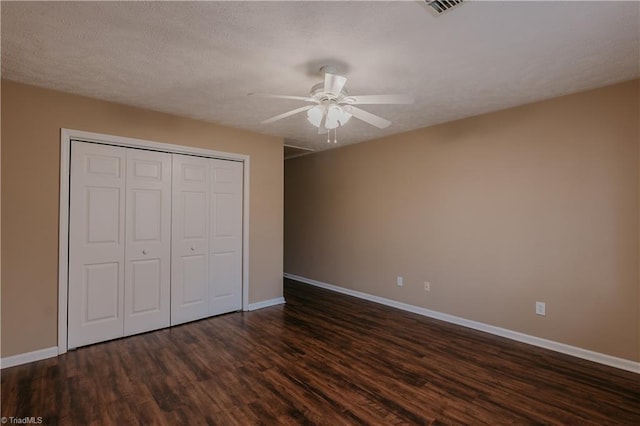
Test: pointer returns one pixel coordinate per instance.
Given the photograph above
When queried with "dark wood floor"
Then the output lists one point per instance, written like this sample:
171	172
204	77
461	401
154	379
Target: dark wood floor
323	358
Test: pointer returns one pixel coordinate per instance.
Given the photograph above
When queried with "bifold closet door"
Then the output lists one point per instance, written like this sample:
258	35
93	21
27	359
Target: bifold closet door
206	273
225	265
148	241
119	242
155	239
190	239
96	243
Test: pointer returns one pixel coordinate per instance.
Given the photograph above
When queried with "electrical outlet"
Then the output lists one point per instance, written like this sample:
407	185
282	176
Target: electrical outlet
541	308
399	281
427	286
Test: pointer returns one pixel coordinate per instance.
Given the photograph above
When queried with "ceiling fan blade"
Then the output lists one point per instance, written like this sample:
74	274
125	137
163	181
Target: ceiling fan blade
286	114
334	83
367	117
296	98
379	99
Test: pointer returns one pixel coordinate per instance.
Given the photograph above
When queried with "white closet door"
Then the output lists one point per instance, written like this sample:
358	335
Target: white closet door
190	239
96	243
225	265
148	241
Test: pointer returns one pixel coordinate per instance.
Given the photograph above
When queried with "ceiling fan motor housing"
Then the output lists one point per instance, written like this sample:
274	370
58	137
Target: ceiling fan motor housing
317	92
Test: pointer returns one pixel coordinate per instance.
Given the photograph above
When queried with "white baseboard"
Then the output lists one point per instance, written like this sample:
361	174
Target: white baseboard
612	361
266	303
19	359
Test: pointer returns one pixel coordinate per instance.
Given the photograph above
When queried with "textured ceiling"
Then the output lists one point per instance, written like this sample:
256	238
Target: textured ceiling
200	59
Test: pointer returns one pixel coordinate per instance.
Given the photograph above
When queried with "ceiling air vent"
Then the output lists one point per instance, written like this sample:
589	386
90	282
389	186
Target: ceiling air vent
441	6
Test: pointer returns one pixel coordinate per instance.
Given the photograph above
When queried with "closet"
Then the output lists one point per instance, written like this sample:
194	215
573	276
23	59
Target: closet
155	239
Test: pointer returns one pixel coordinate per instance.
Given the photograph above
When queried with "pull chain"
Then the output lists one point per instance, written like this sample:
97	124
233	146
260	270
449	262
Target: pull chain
335	135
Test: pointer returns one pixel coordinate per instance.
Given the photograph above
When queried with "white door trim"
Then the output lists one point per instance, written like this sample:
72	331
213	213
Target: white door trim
66	135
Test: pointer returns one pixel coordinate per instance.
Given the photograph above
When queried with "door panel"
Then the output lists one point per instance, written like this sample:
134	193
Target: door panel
147	214
96	243
223	268
194	218
146	293
225	276
102	292
103	211
194	277
148	241
190	239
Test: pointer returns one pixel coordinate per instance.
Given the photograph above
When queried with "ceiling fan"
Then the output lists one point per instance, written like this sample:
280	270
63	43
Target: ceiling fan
333	106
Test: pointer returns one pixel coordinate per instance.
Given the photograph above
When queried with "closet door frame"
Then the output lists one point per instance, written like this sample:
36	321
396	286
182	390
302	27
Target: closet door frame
68	135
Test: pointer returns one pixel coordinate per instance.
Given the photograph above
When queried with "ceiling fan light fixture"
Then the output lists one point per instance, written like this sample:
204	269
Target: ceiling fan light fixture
331	122
336	116
344	117
333	116
315	115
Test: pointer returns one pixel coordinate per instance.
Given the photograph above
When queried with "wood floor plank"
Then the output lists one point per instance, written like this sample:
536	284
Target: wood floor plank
323	359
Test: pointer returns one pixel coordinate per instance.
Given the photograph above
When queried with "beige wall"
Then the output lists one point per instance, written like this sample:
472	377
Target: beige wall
535	203
31	122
